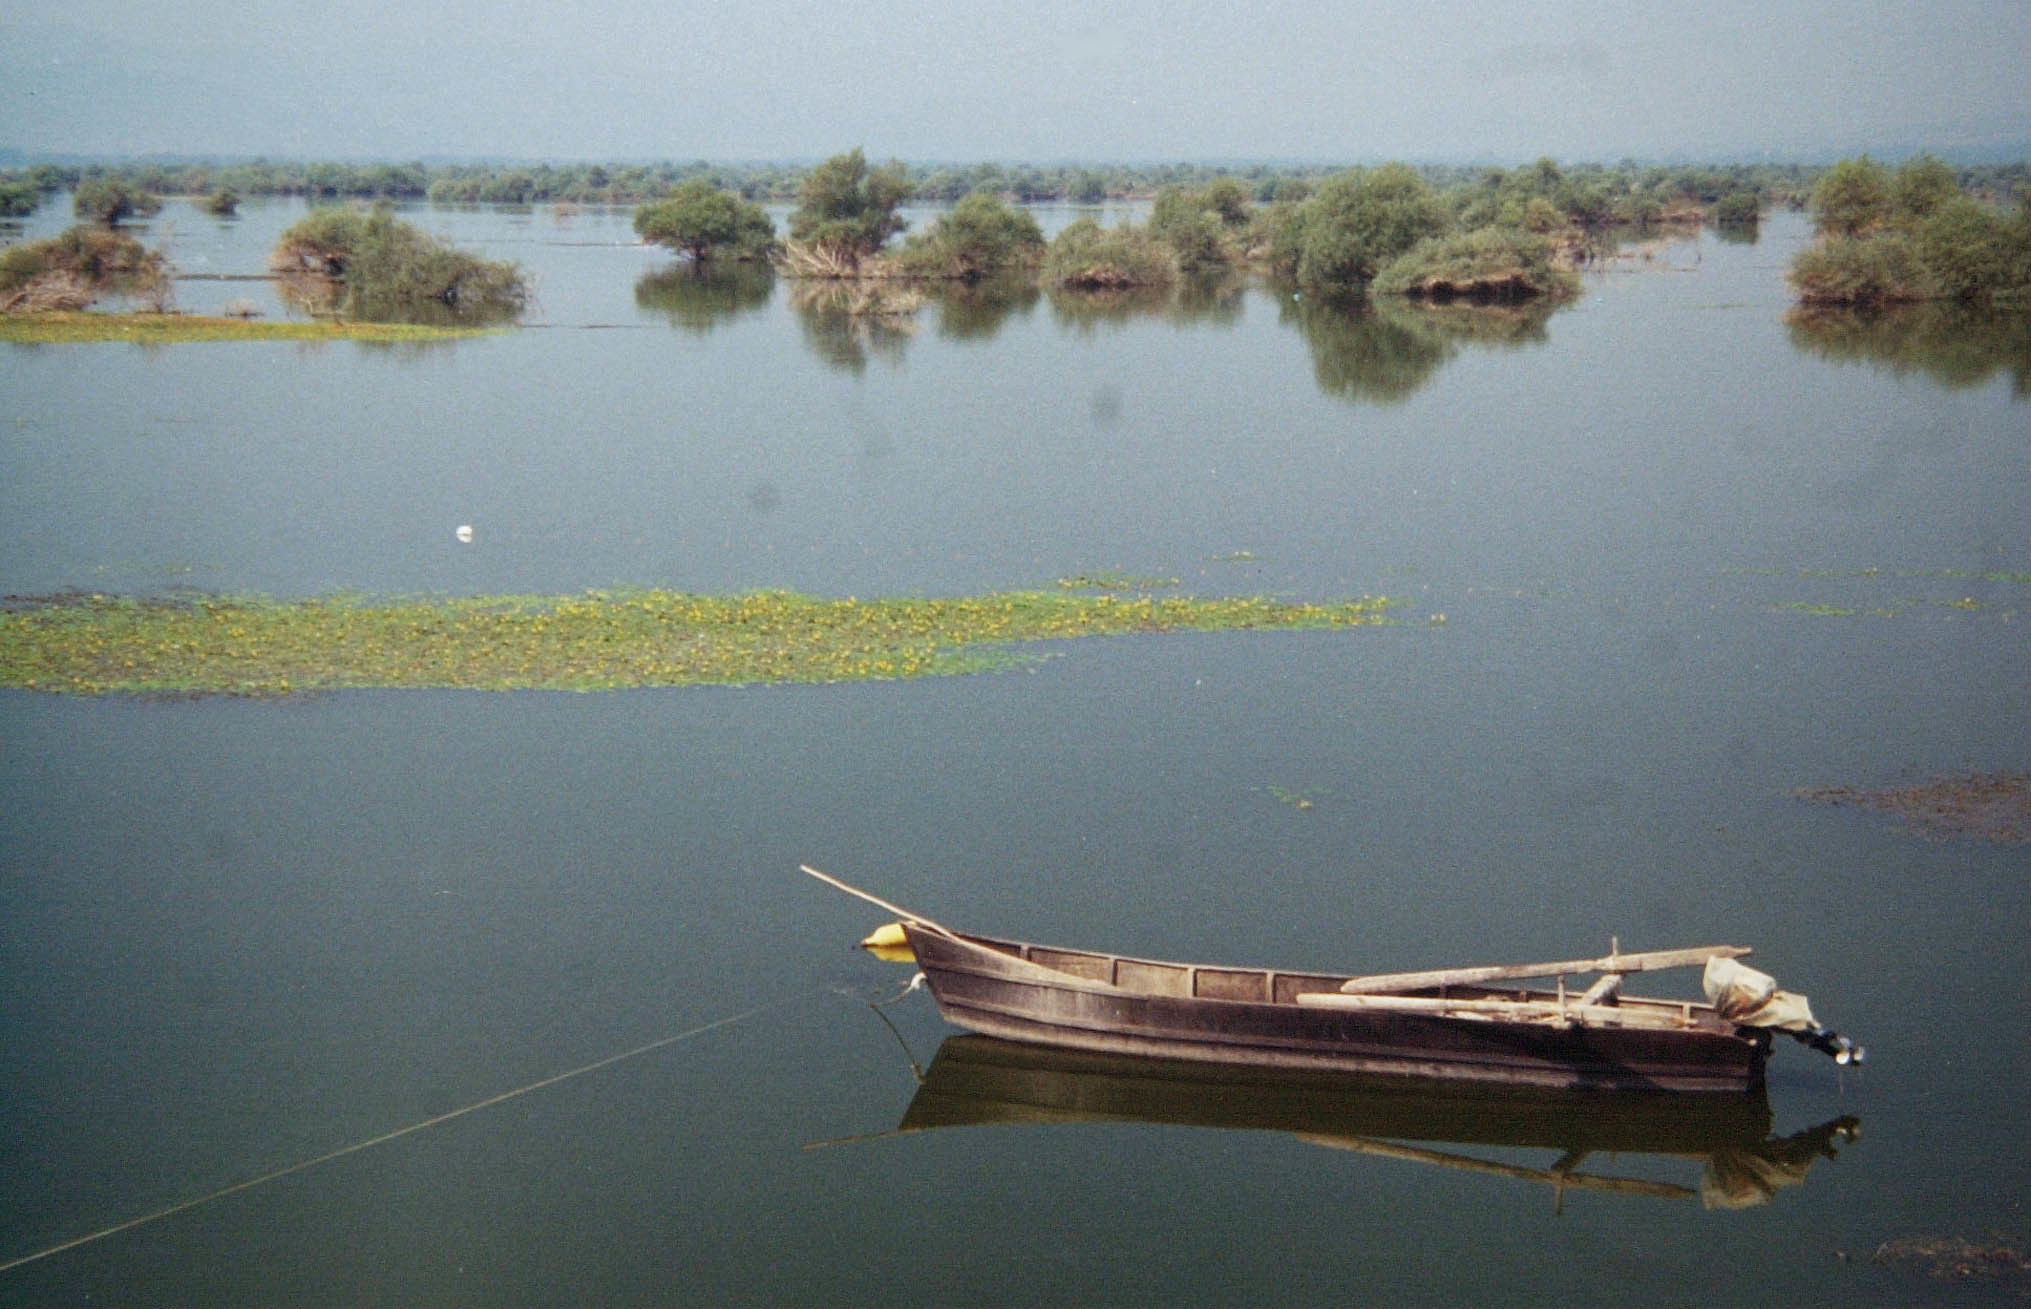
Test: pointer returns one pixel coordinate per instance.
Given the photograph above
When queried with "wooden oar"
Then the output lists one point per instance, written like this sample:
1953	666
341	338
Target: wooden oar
897	910
1516	1011
1642	961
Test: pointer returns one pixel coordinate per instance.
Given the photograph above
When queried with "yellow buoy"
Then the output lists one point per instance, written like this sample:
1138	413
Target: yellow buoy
886	937
888	942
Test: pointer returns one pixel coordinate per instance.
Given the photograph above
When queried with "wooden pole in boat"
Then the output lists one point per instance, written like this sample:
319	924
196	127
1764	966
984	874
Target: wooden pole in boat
872	899
1639	962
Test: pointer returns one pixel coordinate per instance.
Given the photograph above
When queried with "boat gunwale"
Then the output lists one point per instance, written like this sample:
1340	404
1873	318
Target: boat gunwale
1686	1016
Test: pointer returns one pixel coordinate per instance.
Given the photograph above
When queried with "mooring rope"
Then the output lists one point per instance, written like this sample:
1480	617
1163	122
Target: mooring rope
383	1138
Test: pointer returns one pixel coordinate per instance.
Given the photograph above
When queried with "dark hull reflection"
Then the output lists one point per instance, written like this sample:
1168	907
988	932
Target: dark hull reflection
978	1080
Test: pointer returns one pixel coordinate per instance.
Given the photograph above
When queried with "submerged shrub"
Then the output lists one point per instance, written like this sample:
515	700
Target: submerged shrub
979	237
1202	227
1913	236
1861	270
1738	209
1921	186
75	268
701	220
108	201
369	265
1970	251
1356	222
19	199
324	242
1086	257
848	209
1851	198
1490	263
1640	209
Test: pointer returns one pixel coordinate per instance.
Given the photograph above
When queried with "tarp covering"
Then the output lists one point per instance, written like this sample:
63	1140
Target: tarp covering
1742	995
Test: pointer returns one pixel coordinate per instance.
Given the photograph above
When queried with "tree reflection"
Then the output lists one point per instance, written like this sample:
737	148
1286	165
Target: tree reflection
1384	351
699	297
975	311
1087	311
1214	300
328	297
1953	344
847	323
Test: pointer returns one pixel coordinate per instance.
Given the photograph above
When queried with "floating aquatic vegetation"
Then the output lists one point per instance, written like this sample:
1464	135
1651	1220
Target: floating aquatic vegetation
169	329
1957	1259
1295	799
1842	611
1993	807
1109	580
193	644
1966	604
1988	592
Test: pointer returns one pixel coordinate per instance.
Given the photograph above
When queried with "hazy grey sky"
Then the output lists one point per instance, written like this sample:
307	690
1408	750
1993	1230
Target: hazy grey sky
1033	79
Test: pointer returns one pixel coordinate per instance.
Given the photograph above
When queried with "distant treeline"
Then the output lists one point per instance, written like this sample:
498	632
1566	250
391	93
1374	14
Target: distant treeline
1591	193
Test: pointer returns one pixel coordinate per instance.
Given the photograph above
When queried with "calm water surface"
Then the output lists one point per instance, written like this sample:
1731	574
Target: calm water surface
237	936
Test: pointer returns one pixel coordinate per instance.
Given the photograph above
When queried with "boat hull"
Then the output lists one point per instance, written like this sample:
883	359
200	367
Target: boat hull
1082	1001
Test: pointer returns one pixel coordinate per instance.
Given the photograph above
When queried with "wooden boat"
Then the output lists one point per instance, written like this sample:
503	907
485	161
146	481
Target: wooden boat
979	1080
1268	1018
1449	1024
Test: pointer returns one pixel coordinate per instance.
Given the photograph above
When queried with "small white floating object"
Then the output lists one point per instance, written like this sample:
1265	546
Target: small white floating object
464	533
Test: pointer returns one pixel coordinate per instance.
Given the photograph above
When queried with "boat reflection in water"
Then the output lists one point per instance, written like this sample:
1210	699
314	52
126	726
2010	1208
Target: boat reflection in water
980	1080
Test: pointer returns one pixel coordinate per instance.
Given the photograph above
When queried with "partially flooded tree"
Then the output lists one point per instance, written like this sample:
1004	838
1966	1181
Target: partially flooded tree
109	201
76	268
1879	269
1087	257
1491	263
1738	209
1852	197
702	221
846	210
369	265
1194	224
1087	188
1910	236
1971	251
18	199
981	236
1922	185
1356	222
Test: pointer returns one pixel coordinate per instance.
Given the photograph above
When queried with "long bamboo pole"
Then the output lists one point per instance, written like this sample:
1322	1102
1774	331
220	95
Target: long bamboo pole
1516	1011
1641	961
873	899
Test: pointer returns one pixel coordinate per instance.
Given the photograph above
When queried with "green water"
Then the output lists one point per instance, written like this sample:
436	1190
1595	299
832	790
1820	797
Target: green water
237	935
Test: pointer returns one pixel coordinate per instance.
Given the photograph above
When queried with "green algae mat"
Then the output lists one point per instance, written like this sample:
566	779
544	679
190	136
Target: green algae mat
173	329
93	644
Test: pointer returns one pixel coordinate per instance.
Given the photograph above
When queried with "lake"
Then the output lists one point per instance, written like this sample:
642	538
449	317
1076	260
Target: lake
1690	560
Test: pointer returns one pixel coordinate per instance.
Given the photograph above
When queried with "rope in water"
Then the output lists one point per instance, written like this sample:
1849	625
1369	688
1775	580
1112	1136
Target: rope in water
382	1139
